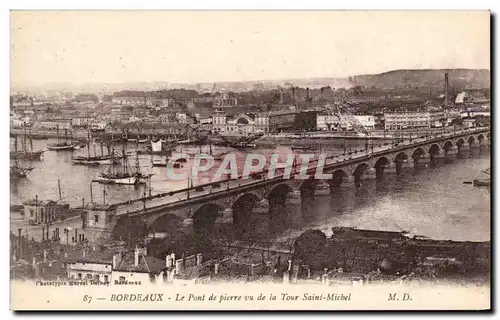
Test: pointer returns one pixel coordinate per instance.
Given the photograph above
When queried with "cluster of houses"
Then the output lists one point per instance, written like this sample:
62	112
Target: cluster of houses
222	113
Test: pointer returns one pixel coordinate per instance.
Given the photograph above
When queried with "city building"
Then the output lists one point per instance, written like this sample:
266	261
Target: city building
81	121
43	211
280	121
327	122
136	267
90	266
332	122
224	101
54	124
396	120
240	123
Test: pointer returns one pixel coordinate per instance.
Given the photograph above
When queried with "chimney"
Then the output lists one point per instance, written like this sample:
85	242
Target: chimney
178	265
446	90
281	96
286	277
168	261
293	95
19	243
307	93
117	258
136	257
45	252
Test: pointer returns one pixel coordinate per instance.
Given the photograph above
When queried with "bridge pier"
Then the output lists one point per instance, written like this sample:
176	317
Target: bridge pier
451	154
391	168
322	188
369	174
421	162
438	158
464	150
484	145
474	148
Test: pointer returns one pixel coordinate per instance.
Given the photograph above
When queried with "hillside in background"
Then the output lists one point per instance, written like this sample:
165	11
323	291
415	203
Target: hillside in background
425	78
458	78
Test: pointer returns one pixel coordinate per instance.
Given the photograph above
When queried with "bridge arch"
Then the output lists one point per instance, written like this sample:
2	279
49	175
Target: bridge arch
277	196
168	222
360	169
418	152
460	142
480	137
471	139
447	145
401	157
339	176
434	149
242	210
204	218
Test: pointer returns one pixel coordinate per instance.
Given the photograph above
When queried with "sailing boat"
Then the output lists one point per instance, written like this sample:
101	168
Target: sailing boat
95	160
16	171
25	154
483	182
217	157
123	175
62	146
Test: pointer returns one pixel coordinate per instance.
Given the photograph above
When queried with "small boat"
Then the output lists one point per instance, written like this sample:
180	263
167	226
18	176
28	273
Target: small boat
17	171
159	162
94	161
481	182
64	146
122	178
484	181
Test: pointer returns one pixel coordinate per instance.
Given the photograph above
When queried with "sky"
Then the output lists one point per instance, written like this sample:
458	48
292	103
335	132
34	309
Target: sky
78	47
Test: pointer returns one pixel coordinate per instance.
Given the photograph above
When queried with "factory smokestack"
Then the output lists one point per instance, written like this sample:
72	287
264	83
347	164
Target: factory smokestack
446	90
281	95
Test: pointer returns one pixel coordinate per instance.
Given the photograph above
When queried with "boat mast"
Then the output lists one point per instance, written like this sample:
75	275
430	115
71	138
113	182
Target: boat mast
24	140
31	142
88	144
59	188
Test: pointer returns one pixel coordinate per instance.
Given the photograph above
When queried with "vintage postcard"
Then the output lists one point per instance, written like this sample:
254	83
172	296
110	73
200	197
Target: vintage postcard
250	160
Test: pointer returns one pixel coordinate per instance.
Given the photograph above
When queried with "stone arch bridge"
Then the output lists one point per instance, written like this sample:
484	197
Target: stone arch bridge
231	204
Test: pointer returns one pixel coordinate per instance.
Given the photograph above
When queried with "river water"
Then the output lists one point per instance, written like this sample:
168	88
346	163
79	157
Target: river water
431	202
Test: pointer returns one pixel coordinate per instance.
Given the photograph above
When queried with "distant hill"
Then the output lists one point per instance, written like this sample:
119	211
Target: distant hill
460	78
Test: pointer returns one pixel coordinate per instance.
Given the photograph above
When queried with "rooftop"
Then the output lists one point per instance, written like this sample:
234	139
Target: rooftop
146	263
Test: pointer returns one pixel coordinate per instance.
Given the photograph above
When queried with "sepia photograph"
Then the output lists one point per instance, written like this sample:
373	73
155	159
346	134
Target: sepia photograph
250	160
